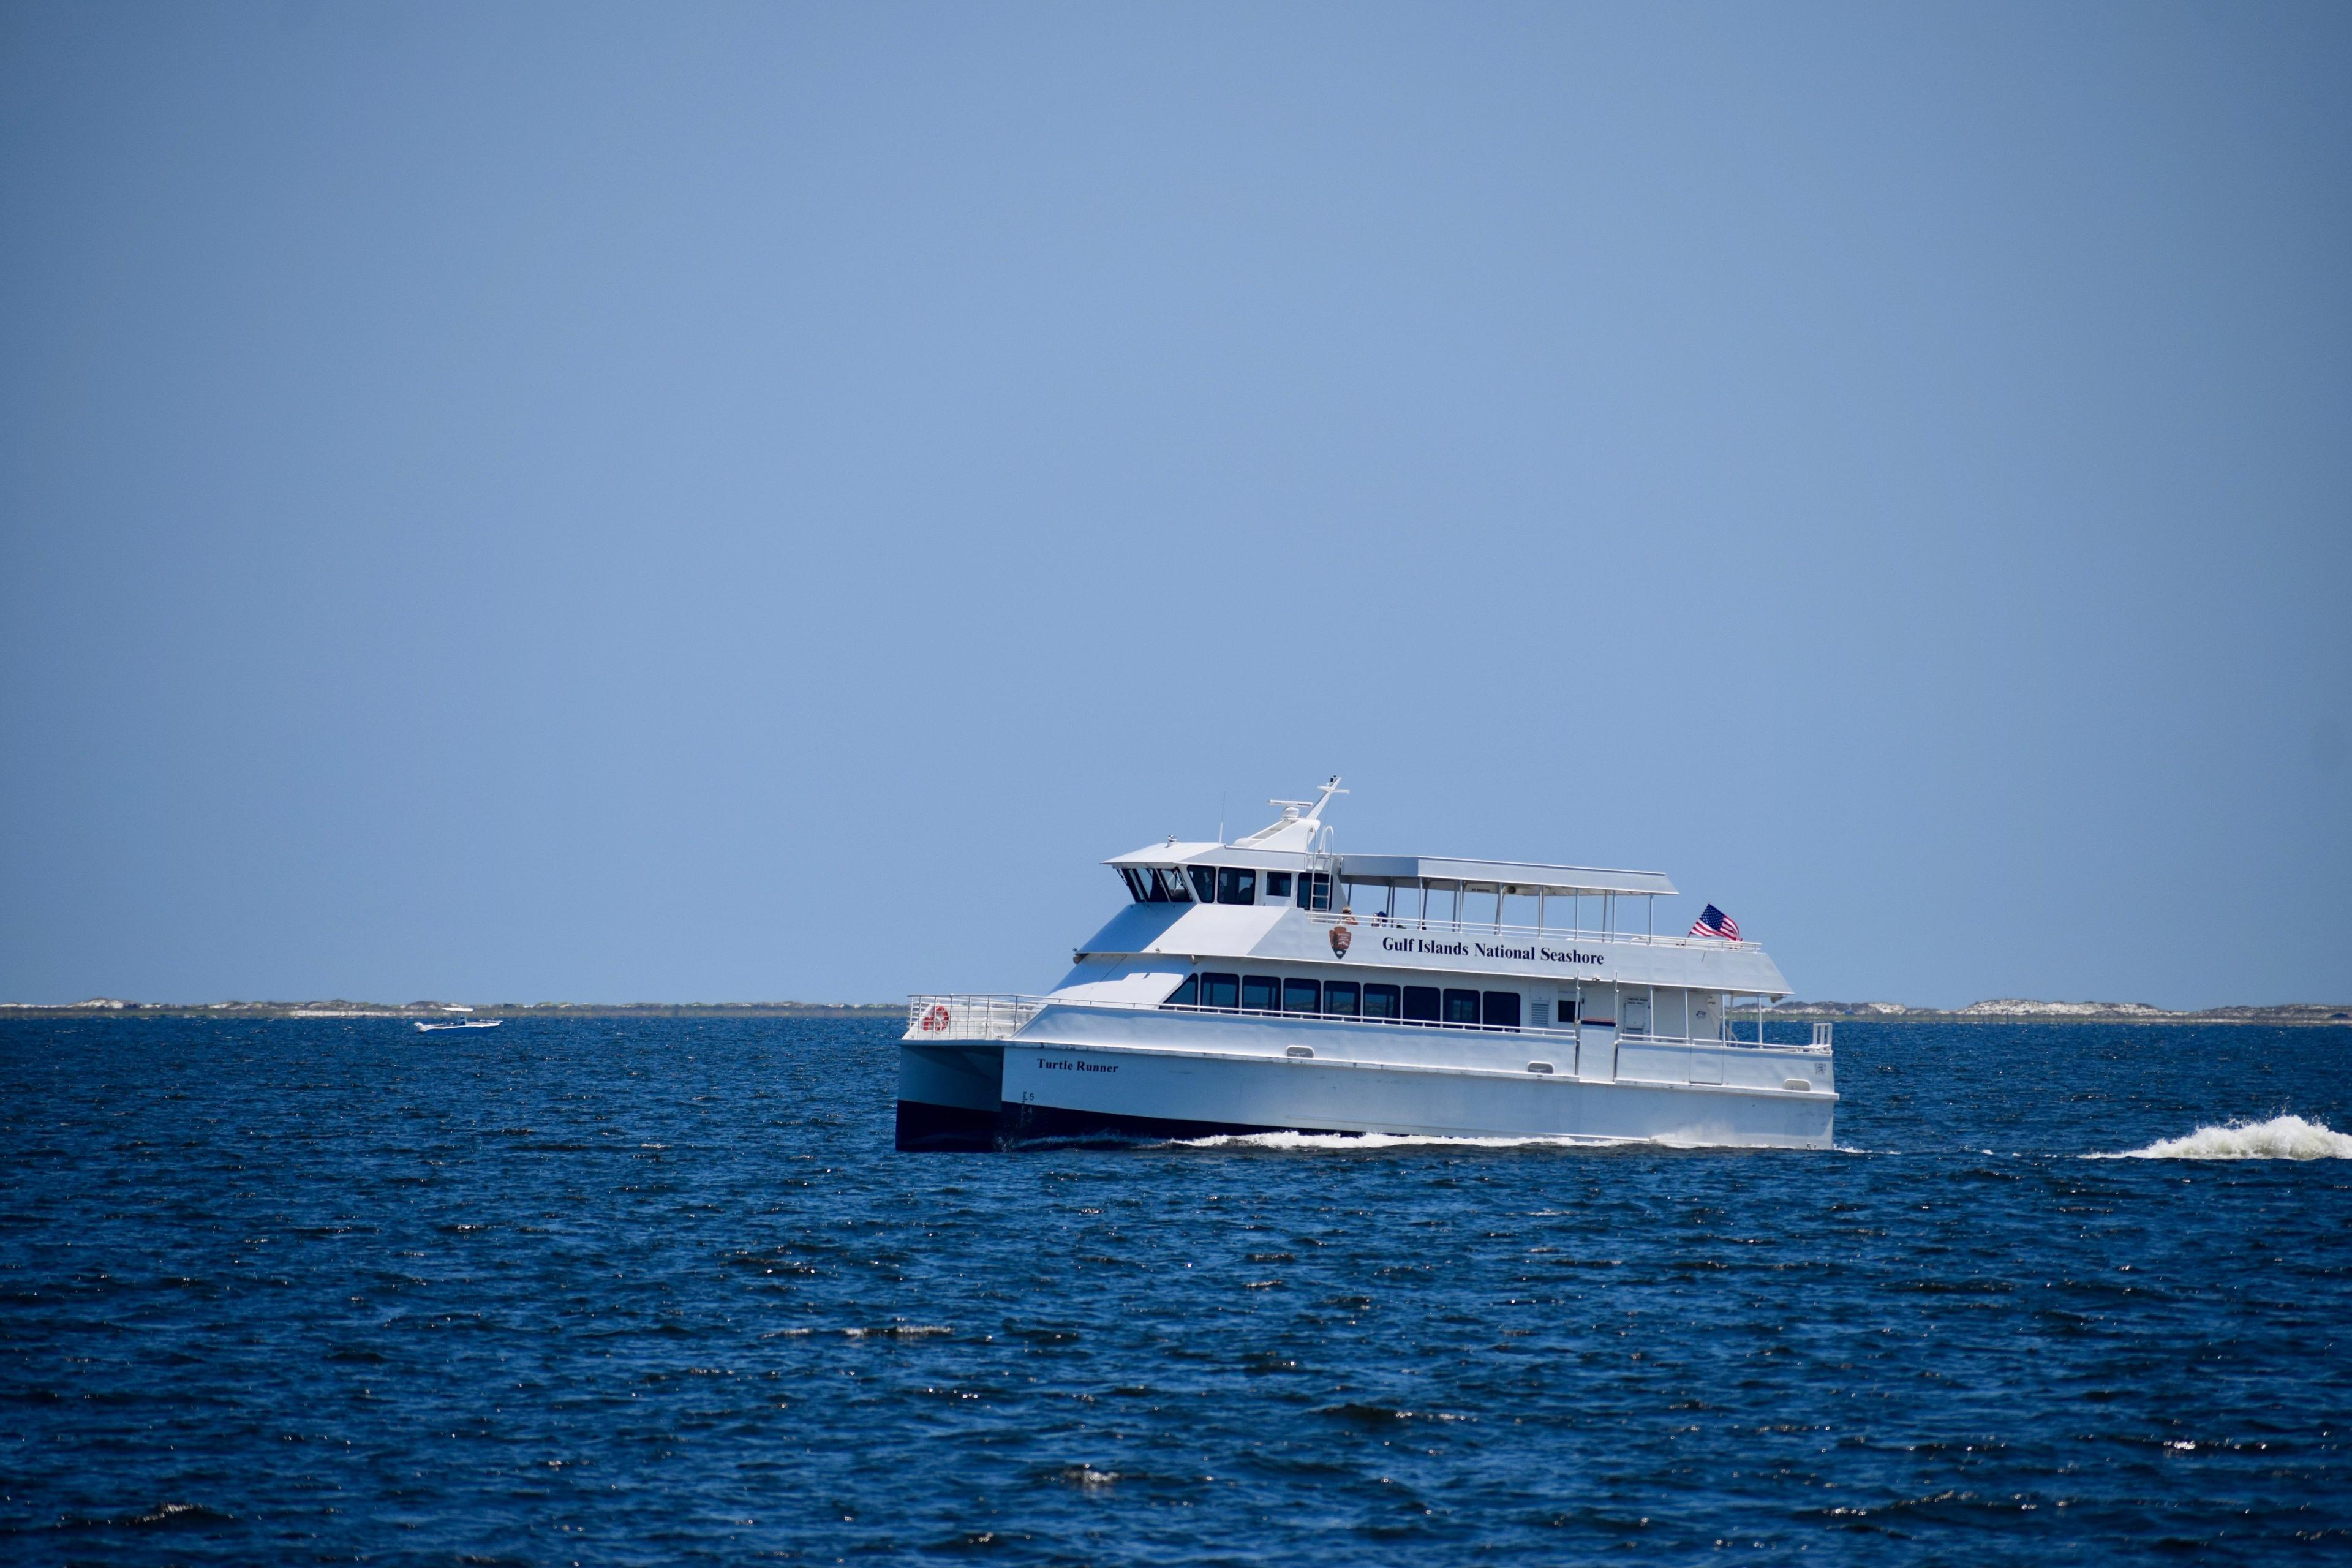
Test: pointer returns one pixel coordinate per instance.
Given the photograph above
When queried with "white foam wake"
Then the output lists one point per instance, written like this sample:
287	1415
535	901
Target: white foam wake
1341	1142
2280	1138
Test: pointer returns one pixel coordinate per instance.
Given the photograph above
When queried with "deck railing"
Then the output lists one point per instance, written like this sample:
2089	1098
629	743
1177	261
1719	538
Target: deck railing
969	1017
1488	930
960	1017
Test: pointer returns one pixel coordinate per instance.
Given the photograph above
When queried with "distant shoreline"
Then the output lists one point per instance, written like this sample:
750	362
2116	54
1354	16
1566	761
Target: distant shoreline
2018	1010
2012	1010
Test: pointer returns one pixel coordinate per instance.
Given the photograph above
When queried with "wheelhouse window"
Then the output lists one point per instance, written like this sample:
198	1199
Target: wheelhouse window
1185	995
1461	1007
1421	1003
1221	991
1501	1010
1172	882
1261	993
1134	880
1277	887
1302	997
1341	997
1236	885
1205	882
1382	1002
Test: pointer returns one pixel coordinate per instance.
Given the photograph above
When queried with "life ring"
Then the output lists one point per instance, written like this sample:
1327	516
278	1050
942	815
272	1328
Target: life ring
936	1019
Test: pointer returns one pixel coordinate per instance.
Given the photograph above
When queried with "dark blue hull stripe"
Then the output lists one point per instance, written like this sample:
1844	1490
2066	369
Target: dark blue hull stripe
1019	1124
941	1129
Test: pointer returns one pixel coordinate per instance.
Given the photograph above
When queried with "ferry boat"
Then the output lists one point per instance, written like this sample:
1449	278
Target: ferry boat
1274	985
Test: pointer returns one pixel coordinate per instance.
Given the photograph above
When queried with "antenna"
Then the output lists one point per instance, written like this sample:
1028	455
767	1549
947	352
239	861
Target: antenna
1329	789
1311	809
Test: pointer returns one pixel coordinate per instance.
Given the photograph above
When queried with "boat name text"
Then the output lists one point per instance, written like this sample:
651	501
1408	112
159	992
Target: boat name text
1463	950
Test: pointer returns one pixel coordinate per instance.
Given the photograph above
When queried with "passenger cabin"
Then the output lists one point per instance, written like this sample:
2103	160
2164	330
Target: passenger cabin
1292	866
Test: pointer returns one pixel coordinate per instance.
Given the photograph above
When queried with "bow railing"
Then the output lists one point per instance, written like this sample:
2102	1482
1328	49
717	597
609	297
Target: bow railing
963	1017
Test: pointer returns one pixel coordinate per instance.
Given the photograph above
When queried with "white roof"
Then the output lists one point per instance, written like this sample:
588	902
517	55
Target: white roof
1289	836
1510	876
1170	853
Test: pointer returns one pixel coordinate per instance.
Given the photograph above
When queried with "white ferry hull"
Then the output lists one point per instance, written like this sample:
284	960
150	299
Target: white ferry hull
950	1096
1162	1075
1082	1092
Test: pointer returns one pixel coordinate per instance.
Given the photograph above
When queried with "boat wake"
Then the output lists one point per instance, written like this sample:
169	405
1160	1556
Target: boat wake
2280	1138
1344	1142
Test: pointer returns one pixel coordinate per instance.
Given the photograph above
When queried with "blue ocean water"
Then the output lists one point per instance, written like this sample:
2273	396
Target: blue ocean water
636	1293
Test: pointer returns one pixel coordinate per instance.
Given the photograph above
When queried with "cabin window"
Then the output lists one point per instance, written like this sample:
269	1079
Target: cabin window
1278	886
1172	880
1340	997
1380	1002
1223	991
1185	995
1302	997
1260	993
1421	1003
1314	889
1236	885
1134	880
1502	1010
1205	883
1461	1007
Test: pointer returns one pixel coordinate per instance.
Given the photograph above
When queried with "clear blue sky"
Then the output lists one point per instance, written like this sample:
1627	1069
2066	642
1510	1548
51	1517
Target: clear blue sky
525	502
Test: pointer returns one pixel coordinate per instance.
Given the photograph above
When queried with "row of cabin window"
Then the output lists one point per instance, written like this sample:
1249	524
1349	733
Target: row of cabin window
1352	999
1225	885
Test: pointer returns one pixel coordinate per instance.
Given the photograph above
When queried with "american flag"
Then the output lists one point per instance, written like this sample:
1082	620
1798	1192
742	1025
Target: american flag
1713	922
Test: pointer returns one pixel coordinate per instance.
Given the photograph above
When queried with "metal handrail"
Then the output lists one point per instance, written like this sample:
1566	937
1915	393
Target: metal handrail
1377	922
1450	925
969	1017
974	1017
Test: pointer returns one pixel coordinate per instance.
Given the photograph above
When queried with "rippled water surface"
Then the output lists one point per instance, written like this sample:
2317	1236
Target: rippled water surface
643	1292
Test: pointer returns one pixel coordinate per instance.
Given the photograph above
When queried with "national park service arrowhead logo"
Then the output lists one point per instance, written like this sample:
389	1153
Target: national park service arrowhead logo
1340	941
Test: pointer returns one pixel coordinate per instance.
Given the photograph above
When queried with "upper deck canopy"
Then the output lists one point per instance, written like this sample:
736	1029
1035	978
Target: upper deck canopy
1439	872
1518	877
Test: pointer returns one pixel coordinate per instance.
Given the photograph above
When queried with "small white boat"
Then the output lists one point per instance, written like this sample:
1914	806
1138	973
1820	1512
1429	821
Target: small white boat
461	1024
1277	985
